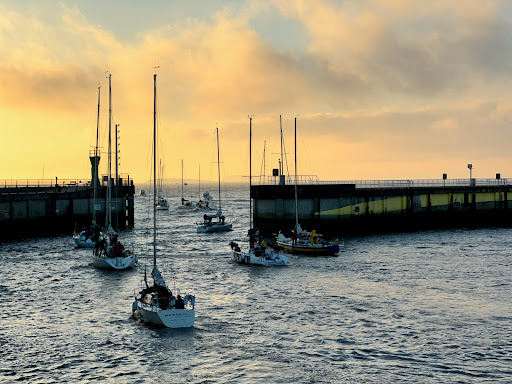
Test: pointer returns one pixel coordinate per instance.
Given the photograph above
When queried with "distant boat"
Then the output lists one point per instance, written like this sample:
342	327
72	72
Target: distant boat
220	225
142	193
88	237
304	242
162	204
156	304
257	253
184	202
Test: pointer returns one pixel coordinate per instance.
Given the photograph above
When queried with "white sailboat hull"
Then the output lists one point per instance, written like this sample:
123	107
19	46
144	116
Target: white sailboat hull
162	207
271	259
215	227
82	242
115	263
170	318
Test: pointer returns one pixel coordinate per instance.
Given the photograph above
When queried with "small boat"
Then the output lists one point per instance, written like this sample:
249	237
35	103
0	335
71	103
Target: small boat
204	203
162	204
156	304
108	252
215	226
88	237
184	202
257	253
308	243
111	254
142	193
303	242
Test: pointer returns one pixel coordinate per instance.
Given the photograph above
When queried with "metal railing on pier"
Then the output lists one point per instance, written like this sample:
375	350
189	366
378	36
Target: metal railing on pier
394	184
34	183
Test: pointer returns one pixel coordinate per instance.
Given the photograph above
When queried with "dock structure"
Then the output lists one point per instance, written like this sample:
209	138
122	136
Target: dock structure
365	207
31	208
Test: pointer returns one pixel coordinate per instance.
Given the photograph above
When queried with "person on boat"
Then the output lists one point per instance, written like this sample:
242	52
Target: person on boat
180	304
314	237
263	246
223	219
118	249
205	218
294	236
99	247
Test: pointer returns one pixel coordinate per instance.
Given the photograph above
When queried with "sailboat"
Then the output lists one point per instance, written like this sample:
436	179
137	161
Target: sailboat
184	202
162	204
108	252
87	238
205	198
304	242
220	225
256	254
156	304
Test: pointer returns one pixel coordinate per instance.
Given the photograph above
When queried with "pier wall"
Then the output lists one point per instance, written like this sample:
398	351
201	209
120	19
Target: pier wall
343	209
43	211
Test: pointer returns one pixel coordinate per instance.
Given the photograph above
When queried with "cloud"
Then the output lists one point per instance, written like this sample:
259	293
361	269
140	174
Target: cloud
388	82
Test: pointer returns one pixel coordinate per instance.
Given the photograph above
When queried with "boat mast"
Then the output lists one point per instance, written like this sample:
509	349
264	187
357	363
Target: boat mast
199	182
95	161
296	208
218	163
181	181
108	216
250	171
154	170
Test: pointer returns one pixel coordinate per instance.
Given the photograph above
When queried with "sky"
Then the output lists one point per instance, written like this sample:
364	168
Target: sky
380	89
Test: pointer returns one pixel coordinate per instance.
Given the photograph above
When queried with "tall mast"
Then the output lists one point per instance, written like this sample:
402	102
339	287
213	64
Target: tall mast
296	208
199	181
95	181
218	163
250	171
282	158
108	216
154	170
181	181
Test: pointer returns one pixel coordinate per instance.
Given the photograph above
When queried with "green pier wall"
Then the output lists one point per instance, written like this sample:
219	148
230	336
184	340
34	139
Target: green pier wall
43	211
342	209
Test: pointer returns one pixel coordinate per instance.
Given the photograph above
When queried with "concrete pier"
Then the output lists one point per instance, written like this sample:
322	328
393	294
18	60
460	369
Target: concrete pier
31	210
342	209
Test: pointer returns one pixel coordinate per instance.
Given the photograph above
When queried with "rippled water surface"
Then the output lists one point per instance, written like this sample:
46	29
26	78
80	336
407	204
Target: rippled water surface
424	307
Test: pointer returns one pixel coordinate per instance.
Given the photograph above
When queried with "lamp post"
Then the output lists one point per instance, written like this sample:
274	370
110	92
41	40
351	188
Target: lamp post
470	166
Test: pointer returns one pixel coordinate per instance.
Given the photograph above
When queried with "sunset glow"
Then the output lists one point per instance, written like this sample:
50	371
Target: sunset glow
381	89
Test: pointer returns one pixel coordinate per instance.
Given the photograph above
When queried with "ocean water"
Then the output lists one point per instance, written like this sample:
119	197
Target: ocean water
424	307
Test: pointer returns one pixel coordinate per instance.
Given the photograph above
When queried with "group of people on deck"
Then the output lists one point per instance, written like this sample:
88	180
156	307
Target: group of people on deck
207	220
312	234
164	296
116	250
